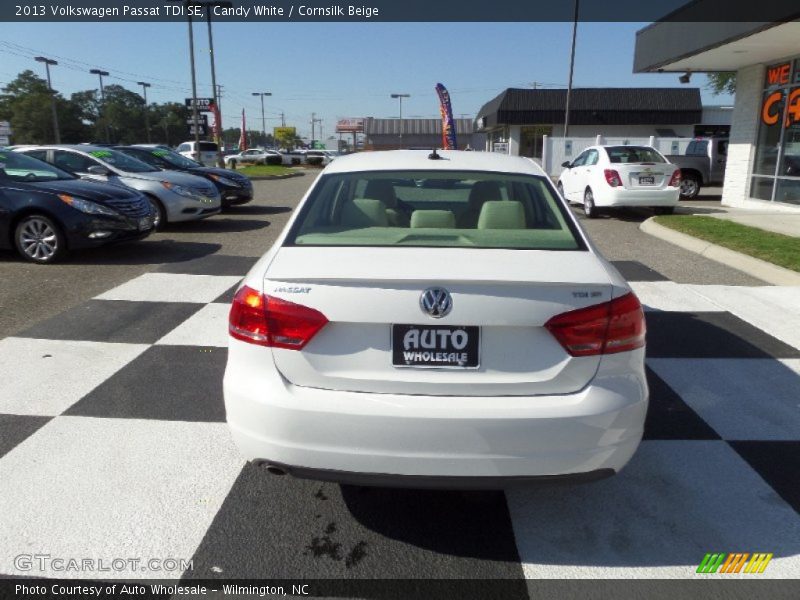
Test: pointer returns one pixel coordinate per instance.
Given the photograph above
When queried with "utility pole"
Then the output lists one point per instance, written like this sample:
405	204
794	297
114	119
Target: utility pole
571	69
218	115
400	98
100	74
283	119
263	119
47	62
314	122
146	116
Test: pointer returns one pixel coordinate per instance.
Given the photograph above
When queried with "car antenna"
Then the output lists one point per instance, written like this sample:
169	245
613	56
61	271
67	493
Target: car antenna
434	156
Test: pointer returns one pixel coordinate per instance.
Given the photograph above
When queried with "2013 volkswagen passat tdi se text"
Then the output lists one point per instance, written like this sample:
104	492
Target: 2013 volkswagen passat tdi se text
435	319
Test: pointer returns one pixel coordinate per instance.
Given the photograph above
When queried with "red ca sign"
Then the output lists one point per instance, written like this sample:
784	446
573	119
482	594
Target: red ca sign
770	113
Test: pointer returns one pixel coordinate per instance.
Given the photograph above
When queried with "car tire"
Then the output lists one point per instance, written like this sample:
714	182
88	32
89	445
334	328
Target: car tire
39	239
232	164
589	208
160	218
690	186
664	210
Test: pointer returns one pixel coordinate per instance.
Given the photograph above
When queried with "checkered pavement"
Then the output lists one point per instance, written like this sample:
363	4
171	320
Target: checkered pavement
113	444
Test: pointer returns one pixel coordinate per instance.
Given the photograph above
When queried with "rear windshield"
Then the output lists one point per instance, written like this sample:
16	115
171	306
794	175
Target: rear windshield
208	147
699	148
435	208
633	154
19	167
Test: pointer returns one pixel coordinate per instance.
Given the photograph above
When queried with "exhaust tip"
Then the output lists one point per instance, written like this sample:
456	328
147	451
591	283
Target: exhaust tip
272	469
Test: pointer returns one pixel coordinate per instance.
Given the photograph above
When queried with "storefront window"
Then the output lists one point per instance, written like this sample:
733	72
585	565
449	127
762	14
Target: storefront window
776	167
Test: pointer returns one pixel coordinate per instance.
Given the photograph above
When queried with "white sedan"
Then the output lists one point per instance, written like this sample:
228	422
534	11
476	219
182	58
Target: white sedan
435	320
255	156
615	176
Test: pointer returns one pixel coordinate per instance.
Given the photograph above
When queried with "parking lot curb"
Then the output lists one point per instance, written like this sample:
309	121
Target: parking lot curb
752	266
267	177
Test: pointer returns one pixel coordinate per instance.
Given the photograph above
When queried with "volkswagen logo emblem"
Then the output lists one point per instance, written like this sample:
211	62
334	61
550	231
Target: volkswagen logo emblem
436	302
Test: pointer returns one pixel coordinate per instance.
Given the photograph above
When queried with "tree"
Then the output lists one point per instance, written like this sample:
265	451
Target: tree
26	103
722	83
168	123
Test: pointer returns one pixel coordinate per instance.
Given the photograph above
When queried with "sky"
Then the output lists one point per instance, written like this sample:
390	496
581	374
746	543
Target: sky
336	70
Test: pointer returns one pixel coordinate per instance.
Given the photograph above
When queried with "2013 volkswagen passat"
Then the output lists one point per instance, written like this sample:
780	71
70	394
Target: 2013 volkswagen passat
435	319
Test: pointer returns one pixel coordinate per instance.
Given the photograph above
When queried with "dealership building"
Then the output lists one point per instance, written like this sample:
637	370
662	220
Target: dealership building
518	121
763	164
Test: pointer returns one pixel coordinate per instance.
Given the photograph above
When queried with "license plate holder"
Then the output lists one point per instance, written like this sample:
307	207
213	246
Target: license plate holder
436	346
647	180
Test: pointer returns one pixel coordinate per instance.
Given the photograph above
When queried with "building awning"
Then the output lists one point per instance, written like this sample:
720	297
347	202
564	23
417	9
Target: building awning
673	45
593	106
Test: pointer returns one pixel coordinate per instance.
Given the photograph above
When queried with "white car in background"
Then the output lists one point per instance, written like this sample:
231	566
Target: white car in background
254	156
603	177
435	320
205	152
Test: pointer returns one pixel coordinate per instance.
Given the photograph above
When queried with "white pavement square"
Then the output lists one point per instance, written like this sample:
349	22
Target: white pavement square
741	398
45	377
671	296
171	287
207	327
674	502
114	488
774	309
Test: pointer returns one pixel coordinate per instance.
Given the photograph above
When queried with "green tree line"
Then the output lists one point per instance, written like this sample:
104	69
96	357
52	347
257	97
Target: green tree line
83	117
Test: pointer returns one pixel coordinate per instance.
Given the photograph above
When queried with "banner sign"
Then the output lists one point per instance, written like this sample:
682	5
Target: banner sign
284	131
350	125
448	125
203	104
243	135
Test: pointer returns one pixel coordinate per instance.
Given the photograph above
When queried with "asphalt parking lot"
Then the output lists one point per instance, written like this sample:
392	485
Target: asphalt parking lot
110	384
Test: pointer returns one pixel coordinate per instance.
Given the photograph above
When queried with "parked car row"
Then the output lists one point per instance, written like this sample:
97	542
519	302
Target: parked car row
59	197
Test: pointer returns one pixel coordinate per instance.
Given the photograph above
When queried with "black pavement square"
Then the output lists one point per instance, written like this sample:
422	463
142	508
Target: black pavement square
114	321
14	429
710	335
670	418
227	296
778	463
632	270
213	264
169	383
281	527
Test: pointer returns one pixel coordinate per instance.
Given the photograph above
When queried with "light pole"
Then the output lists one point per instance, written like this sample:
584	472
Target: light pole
47	62
400	98
571	69
263	120
100	74
146	116
214	90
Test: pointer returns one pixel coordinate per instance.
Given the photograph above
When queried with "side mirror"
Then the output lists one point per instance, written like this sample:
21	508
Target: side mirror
566	164
98	170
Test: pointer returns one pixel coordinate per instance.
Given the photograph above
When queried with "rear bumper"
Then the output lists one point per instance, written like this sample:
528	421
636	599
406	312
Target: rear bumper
613	197
450	441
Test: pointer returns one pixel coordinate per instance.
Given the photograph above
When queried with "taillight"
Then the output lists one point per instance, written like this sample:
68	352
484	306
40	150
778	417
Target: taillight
259	319
616	326
612	178
675	181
